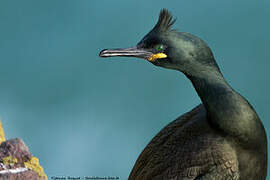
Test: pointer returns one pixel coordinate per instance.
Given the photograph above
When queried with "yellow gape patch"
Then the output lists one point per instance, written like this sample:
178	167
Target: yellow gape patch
157	56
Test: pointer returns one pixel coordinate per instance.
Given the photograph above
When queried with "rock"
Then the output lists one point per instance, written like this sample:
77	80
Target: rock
16	162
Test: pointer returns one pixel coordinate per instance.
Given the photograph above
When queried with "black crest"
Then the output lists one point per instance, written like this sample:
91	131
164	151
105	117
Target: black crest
165	21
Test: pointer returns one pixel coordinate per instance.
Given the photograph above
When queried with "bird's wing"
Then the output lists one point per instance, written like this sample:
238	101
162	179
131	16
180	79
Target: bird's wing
187	149
219	172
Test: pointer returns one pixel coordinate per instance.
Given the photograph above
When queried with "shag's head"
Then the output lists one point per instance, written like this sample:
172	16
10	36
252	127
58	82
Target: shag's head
168	48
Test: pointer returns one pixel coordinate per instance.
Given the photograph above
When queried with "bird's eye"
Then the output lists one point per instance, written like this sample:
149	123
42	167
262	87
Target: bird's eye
159	47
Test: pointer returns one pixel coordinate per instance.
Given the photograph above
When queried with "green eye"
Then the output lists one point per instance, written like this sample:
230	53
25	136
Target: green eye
159	47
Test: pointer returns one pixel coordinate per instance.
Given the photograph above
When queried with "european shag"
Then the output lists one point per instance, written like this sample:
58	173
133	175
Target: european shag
223	138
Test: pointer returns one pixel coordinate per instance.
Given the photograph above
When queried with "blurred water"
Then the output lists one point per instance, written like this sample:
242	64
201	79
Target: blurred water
86	116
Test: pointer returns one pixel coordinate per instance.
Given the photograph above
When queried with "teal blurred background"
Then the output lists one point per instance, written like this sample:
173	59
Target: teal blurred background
86	116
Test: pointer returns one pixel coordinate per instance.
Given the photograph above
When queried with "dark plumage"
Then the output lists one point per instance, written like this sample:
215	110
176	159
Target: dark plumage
165	21
223	138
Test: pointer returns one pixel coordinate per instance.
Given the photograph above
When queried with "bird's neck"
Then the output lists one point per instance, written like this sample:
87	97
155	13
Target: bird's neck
211	88
226	109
